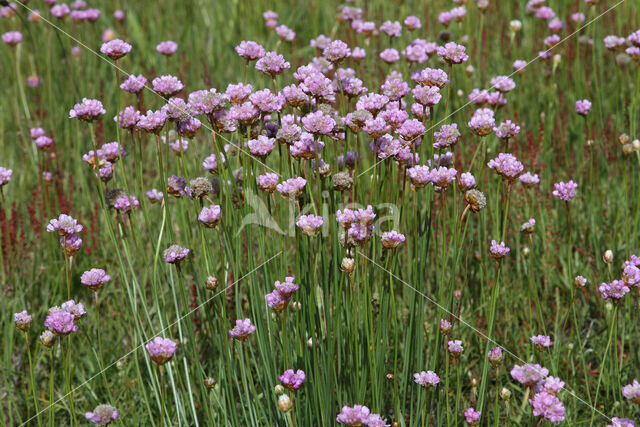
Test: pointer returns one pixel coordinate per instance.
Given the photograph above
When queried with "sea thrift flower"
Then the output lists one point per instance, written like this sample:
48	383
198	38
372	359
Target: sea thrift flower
174	254
336	51
12	38
272	63
310	224
507	166
291	380
47	338
5	176
454	347
506	130
167	85
35	133
452	53
392	239
61	323
210	216
411	129
552	385
583	107
102	415
291	188
621	422
152	122
276	301
542	342
250	50
392	29
64	225
127	118
426	95
519	65
266	101
154	195
95	278
495	357
119	15
77	309
579	282
267	182
262	146
43	142
71	244
22	320
419	175
529	226
318	123
126	204
548	406
472	417
498	250
390	55
426	379
614	290
60	11
632	391
466	181
161	350
441	177
356	416
134	84
88	110
412	23
372	102
564	190
529	374
167	48
115	49
447	136
242	330
286	288
503	84
529	180
482	121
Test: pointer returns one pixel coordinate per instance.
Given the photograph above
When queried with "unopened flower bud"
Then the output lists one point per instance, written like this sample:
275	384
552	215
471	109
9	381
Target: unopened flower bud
469	70
627	149
48	338
579	282
515	25
390	376
623	139
310	342
348	265
608	256
505	394
526	251
474	382
211	283
636	144
284	403
210	382
278	389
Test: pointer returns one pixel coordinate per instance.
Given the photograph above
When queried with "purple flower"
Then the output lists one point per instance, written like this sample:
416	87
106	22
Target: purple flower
548	406
472	417
507	166
154	195
267	182
206	101
36	133
614	290
466	181
88	110
134	84
161	350
453	53
5	176
426	379
12	38
242	329
545	13
174	254
426	95
43	142
392	239
392	29
286	288
64	225
445	327
503	84
95	278
310	224
276	300
447	136
285	33
119	15
336	51
519	65
292	187
210	216
358	53
419	175
564	190
632	391
250	50
167	85
542	342
431	77
393	88
498	250
506	130
495	356
152	122
372	102
76	309
552	385
412	23
112	151
126	204
22	320
454	347
61	323
102	415
411	129
127	118
272	63
583	107
390	55
529	180
245	113
167	48
613	42
621	422
71	244
445	18
529	374
262	146
442	176
318	123
356	416
115	49
482	121
291	380
60	10
376	128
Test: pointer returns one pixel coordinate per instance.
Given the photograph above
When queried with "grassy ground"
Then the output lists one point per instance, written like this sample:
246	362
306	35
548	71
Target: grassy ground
359	337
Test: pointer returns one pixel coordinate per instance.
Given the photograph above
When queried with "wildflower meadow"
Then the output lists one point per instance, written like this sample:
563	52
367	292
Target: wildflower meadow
319	213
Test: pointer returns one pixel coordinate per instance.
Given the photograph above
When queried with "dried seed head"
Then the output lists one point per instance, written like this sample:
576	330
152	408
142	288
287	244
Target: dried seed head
342	181
211	283
623	139
284	403
475	199
210	382
200	187
348	265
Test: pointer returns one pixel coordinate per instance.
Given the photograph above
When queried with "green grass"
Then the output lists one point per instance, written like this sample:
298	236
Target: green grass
359	337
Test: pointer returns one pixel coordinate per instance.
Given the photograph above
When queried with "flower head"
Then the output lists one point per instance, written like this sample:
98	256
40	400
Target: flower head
614	290
498	250
529	374
95	278
507	166
426	379
174	254
583	107
309	224
272	63
161	349
102	415
88	110
22	320
242	329
167	85
64	225
453	53
548	406
292	380
134	84
542	342
250	50
61	323
472	417
167	48
632	391
115	49
210	216
564	190
12	38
